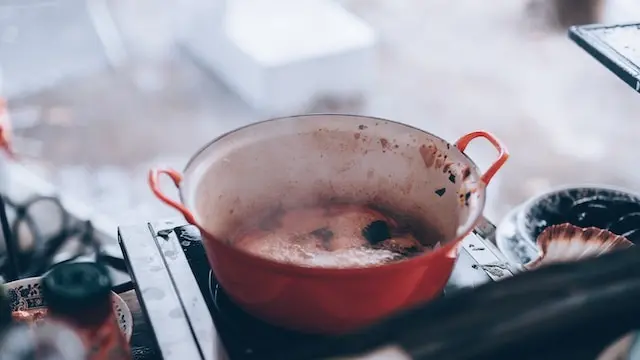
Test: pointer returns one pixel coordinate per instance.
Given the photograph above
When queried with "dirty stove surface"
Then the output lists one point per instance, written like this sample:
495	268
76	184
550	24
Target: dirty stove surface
191	316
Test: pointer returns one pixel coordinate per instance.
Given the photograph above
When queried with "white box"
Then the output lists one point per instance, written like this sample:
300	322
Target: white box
280	54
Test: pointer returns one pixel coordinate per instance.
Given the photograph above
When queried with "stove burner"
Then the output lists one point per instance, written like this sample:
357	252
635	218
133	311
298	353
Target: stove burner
258	339
224	309
247	338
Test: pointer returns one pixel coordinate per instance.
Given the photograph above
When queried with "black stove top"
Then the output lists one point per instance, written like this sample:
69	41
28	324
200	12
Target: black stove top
246	337
242	336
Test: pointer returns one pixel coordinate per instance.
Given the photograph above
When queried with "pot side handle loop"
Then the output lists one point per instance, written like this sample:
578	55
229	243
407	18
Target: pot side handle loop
5	131
503	153
154	184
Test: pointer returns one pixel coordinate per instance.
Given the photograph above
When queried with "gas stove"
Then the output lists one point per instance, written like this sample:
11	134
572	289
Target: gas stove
191	316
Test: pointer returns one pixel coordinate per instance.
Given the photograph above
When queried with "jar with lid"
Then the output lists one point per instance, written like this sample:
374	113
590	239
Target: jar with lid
79	295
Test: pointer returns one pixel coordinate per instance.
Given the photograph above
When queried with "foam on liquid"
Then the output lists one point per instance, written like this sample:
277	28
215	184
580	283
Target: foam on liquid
301	237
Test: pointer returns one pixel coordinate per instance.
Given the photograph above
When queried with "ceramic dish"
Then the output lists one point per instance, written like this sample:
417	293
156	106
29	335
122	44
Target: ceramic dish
516	234
604	207
25	294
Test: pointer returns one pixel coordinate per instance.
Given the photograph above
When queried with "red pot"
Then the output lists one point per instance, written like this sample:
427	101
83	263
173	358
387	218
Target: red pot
302	160
5	129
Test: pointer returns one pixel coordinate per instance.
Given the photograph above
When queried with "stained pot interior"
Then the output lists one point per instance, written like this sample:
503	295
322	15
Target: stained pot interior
315	159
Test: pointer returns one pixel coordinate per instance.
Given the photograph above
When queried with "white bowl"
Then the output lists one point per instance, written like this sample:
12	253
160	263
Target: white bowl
25	294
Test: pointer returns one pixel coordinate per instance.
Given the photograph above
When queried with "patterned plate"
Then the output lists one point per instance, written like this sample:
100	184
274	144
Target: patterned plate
25	294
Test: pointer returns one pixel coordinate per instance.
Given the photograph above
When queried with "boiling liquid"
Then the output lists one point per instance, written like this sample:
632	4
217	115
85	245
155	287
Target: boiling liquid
329	236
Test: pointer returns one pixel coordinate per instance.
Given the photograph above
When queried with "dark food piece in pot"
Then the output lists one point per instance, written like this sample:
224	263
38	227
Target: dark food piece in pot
377	231
405	246
323	234
380	236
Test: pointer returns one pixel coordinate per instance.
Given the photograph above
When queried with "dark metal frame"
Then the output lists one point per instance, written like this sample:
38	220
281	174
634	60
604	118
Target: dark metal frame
590	38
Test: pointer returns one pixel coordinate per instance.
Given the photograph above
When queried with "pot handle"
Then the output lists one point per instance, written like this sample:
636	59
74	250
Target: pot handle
5	130
503	153
154	175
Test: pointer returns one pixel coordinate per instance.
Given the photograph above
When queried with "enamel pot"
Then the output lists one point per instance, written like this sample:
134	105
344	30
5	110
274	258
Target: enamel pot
304	160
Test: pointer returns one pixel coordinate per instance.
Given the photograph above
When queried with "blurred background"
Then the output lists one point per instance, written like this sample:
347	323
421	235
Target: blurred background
101	90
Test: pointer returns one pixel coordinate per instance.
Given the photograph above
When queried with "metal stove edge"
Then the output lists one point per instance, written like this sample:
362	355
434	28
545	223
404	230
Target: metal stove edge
168	293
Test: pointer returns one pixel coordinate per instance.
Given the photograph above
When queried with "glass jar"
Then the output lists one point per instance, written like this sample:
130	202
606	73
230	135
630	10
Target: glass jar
45	341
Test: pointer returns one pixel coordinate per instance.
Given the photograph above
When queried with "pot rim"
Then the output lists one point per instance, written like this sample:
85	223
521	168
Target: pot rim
529	204
449	249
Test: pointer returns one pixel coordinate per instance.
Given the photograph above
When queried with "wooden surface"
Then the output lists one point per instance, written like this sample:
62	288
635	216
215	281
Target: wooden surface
143	343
